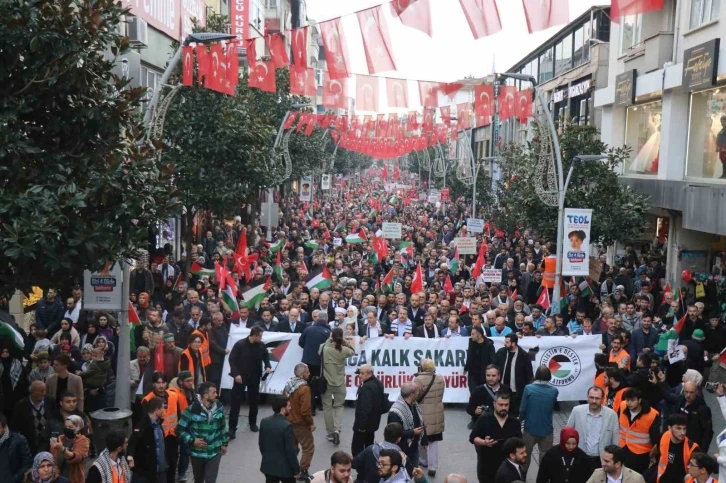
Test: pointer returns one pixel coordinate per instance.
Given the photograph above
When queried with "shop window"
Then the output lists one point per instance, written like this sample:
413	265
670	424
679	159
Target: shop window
642	135
703	11
707	135
631	29
534	69
563	55
546	66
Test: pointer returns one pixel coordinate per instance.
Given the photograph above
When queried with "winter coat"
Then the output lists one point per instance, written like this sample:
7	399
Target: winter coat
310	340
194	423
96	375
371	402
15	458
432	404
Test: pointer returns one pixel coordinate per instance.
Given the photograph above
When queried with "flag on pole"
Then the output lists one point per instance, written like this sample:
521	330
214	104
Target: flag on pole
544	299
355	238
448	286
621	8
254	296
177	282
133	315
454	262
585	289
277	246
678	326
229	298
200	271
10	333
320	280
388	281
277	269
722	357
417	283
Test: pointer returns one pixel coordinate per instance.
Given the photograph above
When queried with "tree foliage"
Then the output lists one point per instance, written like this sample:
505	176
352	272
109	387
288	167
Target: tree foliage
76	189
617	209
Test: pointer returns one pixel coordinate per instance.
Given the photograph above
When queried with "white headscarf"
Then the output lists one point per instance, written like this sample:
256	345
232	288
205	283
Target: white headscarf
353	319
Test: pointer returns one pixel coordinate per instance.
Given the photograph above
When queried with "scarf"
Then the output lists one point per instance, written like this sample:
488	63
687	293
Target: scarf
404	412
5	436
436	332
37	461
400	477
567	433
208	411
104	465
16	368
292	385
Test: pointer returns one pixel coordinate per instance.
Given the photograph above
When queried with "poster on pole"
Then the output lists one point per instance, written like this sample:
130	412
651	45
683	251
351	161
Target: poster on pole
475	225
102	289
576	242
491	275
325	182
466	245
392	230
306	188
434	195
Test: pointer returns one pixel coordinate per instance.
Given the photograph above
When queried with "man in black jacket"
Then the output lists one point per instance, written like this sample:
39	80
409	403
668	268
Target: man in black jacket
366	462
489	434
278	445
479	355
15	457
481	400
370	405
516	368
245	366
146	438
33	416
512	469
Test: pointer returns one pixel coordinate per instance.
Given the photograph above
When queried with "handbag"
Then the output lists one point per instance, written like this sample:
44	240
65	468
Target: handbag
318	383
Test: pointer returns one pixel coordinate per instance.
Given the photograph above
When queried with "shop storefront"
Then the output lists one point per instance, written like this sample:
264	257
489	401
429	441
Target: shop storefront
559	103
706	156
581	102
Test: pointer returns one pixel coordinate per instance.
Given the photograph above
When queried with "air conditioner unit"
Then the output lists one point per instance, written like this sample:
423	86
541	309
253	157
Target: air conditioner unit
138	33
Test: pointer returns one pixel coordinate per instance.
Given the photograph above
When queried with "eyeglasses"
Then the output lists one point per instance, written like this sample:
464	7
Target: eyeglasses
691	464
381	465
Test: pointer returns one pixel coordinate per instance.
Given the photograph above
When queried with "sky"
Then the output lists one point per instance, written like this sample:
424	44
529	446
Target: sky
451	53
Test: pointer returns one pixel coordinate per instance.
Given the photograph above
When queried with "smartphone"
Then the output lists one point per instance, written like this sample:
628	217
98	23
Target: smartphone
711	386
54	435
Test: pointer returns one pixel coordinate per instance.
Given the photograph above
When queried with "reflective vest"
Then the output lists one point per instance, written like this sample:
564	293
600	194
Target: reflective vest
664	445
623	354
617	398
204	348
181	397
548	277
635	436
187	356
600	382
171	416
691	479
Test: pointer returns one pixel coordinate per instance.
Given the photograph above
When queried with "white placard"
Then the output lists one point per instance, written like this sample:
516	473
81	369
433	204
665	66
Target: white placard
325	182
392	230
491	275
102	289
306	188
434	195
576	242
466	245
475	225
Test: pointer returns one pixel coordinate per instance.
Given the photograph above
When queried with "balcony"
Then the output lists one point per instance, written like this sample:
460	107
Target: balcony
651	54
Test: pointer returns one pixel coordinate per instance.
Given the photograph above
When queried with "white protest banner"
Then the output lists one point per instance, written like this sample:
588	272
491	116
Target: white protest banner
475	225
576	242
306	188
491	275
392	230
434	195
396	361
102	290
325	182
466	245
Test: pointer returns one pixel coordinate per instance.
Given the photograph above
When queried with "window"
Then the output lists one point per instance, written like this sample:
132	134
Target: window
642	134
534	69
563	55
703	11
257	15
577	48
707	135
546	66
631	29
149	79
271	3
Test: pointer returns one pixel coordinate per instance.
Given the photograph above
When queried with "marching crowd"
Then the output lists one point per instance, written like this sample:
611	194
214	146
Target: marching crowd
328	275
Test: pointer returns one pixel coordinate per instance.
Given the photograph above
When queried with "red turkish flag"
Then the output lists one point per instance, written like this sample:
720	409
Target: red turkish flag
415	14
302	81
187	65
463	116
482	16
397	91
218	69
290	121
262	76
483	104
232	68
523	105
335	48
450	89
445	114
543	14
412	123
396	172
506	102
203	64
299	48
278	51
428	120
366	93
620	8
429	93
417	283
376	40
334	92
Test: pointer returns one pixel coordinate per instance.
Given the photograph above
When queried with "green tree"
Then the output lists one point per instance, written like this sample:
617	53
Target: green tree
76	188
617	209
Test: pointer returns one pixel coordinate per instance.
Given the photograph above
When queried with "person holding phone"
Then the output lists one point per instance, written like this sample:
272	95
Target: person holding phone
406	411
70	450
489	434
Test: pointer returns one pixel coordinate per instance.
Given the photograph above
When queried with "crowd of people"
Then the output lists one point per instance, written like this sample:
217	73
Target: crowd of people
645	417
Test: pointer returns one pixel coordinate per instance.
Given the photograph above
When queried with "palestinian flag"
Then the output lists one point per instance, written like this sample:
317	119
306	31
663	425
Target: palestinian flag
178	282
253	297
585	289
359	237
373	213
448	286
378	290
373	258
277	268
678	326
393	200
388	281
200	271
275	247
230	300
454	262
320	280
312	244
10	333
406	252
133	315
304	267
561	366
339	227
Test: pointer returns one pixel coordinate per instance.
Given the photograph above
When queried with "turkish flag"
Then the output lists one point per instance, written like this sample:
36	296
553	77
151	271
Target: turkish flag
620	8
232	68
334	92
416	14
366	93
482	16
187	66
428	120
412	123
429	93
523	105
397	91
463	116
506	102
335	48
262	76
299	48
302	81
543	14
445	114
217	68
450	89
417	283
396	172
290	121
202	61
483	104
278	51
376	40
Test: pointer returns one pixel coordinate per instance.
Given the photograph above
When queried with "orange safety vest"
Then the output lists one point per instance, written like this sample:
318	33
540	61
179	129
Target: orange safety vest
181	397
664	445
600	382
187	354
691	479
170	417
617	401
115	477
623	355
204	348
635	436
548	277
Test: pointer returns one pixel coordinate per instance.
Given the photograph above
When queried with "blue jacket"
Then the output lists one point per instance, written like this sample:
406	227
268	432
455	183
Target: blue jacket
311	339
639	340
538	403
462	332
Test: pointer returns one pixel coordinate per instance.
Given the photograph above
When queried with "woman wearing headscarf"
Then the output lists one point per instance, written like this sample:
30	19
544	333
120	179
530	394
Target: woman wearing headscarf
565	463
44	470
13	379
70	450
91	333
352	316
67	328
431	401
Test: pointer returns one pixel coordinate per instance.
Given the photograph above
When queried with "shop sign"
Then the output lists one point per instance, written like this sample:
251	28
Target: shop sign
625	88
239	13
700	65
559	96
579	89
163	15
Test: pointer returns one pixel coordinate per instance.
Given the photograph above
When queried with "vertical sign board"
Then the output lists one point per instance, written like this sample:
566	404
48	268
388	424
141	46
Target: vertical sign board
239	15
325	182
700	66
625	88
102	290
445	194
306	188
576	242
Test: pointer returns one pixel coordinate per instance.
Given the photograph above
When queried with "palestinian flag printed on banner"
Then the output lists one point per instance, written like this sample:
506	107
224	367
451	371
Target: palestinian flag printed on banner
561	366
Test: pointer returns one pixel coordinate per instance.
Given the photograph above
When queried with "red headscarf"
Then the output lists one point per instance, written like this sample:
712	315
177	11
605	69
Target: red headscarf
567	433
